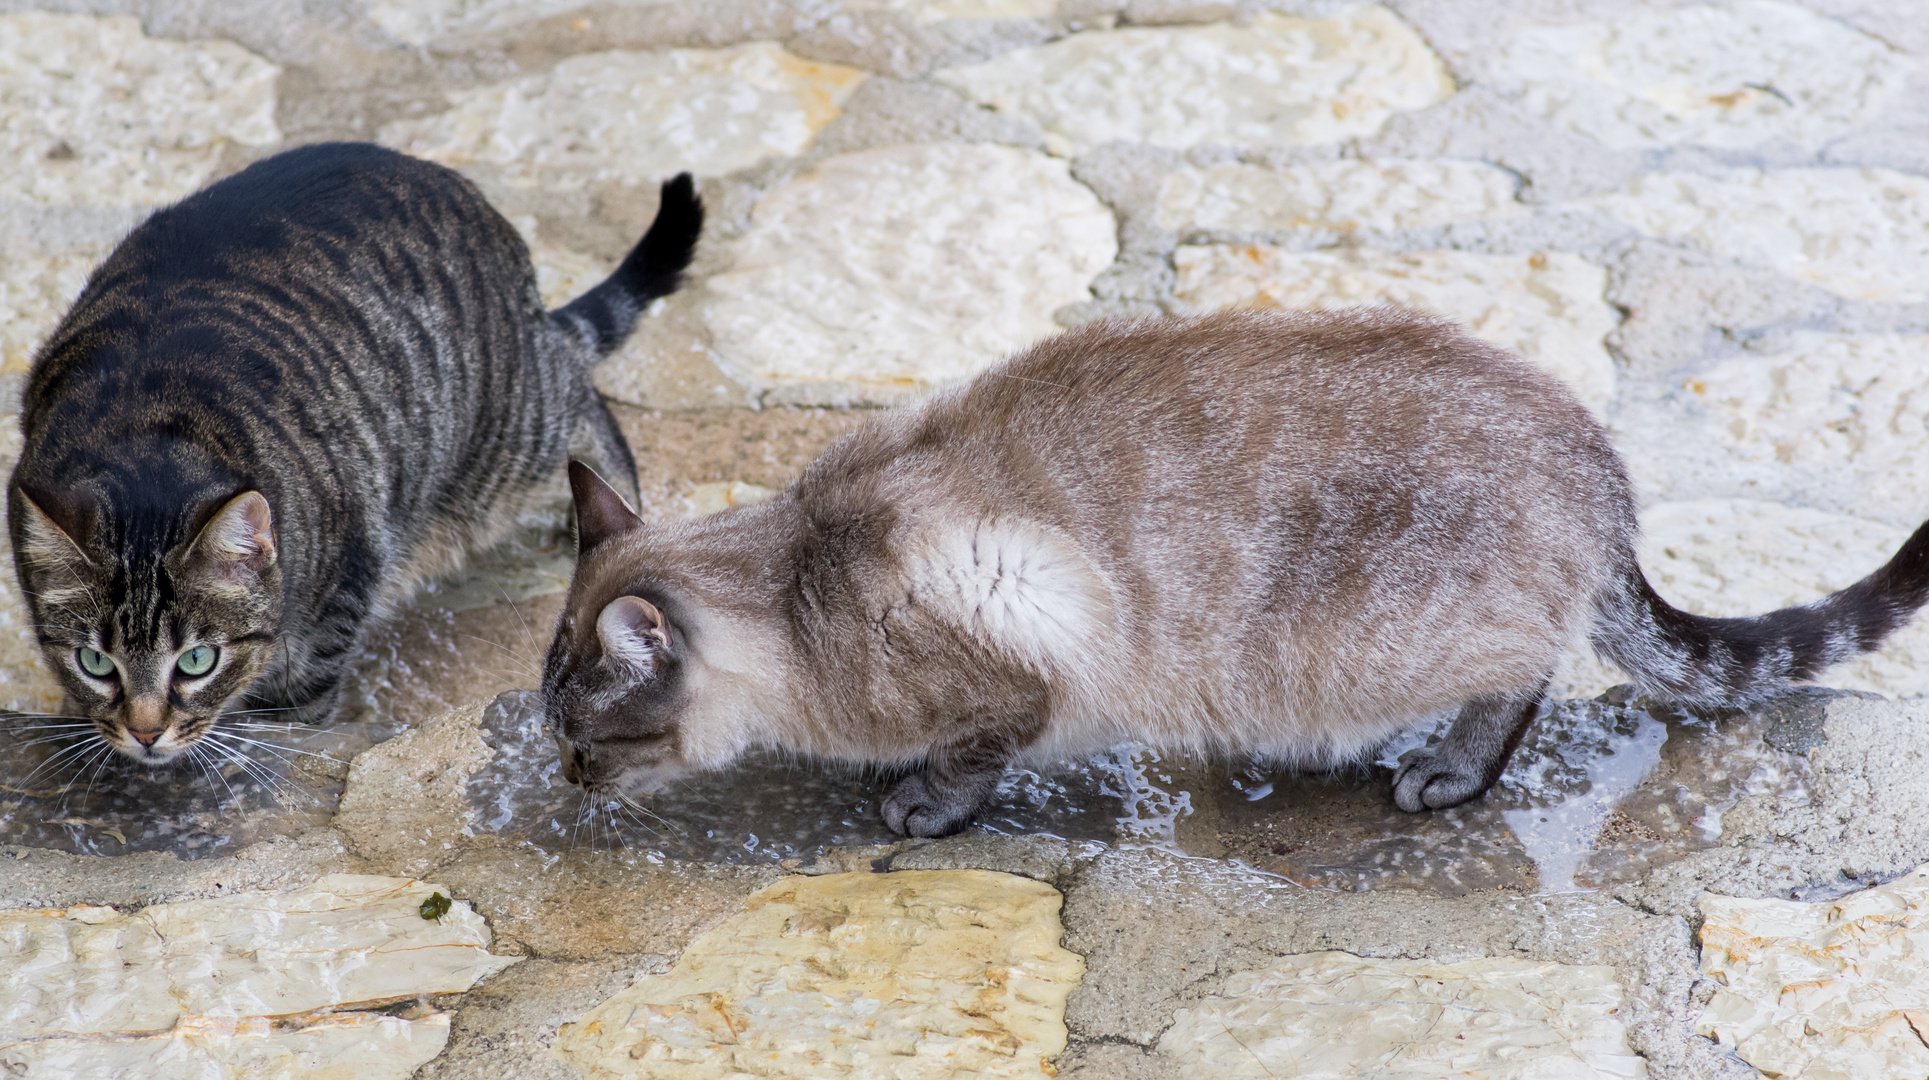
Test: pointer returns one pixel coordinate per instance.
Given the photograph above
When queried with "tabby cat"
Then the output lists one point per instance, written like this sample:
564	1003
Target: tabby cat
277	408
1290	535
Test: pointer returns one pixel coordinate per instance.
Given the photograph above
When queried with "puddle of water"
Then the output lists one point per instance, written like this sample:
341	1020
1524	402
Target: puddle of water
1599	792
432	659
107	805
770	807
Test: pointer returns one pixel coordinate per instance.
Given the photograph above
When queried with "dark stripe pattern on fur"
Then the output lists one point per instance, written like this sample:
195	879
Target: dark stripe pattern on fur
352	333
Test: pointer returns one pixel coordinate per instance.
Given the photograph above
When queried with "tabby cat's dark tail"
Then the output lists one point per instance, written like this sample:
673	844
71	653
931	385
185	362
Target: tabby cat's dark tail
604	316
1699	660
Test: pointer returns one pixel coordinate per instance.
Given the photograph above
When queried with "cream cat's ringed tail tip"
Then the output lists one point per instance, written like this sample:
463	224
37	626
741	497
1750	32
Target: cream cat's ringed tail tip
1290	534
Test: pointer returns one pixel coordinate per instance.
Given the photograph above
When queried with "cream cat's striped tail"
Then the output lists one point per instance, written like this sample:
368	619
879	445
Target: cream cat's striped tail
604	316
1699	660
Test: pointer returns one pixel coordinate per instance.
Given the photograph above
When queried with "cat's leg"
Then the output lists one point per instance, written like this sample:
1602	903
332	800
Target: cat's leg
599	443
959	775
1471	757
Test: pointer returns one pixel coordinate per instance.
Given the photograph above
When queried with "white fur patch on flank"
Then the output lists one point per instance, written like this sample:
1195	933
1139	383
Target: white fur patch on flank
1021	588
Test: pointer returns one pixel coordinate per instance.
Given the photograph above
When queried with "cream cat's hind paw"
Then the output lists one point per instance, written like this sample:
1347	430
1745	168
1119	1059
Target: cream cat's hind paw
913	808
1425	782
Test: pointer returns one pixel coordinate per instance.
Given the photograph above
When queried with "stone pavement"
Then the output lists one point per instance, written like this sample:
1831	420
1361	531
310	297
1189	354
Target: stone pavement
1710	219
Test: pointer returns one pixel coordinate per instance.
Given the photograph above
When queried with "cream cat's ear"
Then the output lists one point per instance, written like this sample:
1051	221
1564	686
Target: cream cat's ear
238	540
601	513
47	545
634	633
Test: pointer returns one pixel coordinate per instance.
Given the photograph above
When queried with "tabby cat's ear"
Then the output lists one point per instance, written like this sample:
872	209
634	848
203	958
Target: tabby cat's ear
634	634
601	514
238	541
51	544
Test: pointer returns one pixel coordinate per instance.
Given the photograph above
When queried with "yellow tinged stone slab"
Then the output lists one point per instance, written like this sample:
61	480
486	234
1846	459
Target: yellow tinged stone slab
1825	991
1546	306
636	116
926	974
244	985
1336	1016
1278	80
94	111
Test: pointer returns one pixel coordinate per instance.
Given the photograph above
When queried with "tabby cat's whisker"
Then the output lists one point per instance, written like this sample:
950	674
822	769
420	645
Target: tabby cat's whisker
276	748
213	768
253	769
75	749
45	739
88	767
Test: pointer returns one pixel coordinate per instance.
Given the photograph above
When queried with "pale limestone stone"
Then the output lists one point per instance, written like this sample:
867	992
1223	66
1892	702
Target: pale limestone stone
1731	557
881	274
561	274
1720	75
1546	306
713	498
1280	80
346	940
35	291
1342	195
1847	410
422	22
94	111
406	800
25	683
1860	233
920	973
1335	1016
635	116
934	10
351	1046
1837	990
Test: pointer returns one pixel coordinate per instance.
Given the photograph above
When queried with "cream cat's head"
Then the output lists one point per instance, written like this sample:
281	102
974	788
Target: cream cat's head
154	620
642	682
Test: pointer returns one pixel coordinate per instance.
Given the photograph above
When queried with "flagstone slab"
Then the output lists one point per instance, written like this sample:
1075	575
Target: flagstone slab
93	111
879	275
1862	234
1822	991
1725	75
243	985
1277	80
635	116
925	973
1336	1016
1547	306
1340	195
1837	422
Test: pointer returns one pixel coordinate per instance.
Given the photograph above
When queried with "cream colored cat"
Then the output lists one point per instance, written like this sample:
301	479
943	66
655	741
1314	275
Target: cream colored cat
1284	534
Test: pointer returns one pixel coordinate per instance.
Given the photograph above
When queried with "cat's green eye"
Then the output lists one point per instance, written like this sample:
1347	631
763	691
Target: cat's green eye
95	663
197	661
